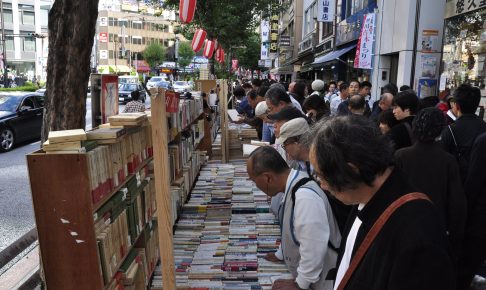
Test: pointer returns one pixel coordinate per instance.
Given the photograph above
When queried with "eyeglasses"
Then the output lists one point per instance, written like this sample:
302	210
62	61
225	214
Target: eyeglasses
285	144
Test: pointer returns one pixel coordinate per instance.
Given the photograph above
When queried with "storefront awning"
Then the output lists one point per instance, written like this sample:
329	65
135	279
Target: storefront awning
113	69
141	65
333	55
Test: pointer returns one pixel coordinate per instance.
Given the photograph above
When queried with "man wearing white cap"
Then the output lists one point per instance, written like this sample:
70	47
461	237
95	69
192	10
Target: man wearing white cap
292	135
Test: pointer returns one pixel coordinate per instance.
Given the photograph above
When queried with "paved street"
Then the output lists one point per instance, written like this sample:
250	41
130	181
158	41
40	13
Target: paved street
16	212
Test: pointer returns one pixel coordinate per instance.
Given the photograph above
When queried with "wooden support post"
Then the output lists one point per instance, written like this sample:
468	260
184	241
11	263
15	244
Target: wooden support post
223	108
162	189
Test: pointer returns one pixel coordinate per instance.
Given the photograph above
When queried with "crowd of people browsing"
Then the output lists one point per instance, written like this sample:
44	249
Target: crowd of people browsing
382	195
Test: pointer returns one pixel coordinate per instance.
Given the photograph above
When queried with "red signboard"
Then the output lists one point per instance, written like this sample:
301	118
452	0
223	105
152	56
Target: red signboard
103	37
171	102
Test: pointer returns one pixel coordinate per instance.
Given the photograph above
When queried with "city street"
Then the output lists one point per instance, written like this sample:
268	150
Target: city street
16	212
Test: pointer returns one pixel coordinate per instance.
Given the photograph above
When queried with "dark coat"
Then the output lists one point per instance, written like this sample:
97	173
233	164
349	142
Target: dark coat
465	129
410	252
400	135
435	172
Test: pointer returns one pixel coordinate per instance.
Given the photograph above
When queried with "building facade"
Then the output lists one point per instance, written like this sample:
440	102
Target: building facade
122	36
464	45
26	55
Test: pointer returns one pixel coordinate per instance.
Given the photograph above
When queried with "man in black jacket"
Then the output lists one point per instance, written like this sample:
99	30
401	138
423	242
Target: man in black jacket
352	160
459	137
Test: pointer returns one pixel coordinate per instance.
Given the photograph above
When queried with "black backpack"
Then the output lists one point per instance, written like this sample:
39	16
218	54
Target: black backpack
462	154
339	210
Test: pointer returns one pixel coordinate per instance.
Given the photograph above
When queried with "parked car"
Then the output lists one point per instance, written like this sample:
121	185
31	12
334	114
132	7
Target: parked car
125	91
181	86
20	118
154	80
164	84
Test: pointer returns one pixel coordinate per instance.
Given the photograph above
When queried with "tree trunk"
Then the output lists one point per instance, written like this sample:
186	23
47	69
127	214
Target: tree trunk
72	25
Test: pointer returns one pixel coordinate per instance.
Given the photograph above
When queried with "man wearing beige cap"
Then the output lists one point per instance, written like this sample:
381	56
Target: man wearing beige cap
291	134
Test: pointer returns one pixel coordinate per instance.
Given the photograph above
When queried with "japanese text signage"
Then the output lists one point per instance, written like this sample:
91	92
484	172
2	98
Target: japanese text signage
103	37
273	33
456	7
325	10
265	30
284	40
364	49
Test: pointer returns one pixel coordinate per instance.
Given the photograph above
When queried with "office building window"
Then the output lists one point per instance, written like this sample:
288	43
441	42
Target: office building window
9	40
26	14
29	44
44	17
110	54
354	6
7	14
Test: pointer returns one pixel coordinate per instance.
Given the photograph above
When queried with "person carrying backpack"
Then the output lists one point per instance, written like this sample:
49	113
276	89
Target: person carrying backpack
310	234
459	137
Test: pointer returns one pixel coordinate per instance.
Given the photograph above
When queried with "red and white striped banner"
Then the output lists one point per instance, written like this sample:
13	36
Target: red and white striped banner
186	10
198	40
208	49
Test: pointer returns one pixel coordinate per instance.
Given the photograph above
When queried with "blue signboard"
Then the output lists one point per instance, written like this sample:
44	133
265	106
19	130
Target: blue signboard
349	29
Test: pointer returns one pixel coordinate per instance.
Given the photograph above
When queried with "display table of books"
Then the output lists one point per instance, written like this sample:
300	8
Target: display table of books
223	233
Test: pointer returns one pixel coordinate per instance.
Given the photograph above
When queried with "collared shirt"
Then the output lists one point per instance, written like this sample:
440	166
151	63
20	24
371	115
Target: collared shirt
344	265
311	228
134	107
335	104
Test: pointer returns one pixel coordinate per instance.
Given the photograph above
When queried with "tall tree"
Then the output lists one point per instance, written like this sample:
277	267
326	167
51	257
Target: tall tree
154	54
249	55
186	54
71	27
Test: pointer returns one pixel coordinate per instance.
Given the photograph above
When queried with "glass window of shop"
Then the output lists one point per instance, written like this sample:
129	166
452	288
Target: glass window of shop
464	51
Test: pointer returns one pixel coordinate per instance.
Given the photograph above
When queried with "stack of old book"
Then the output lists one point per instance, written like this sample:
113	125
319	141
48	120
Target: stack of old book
221	247
67	141
128	119
106	135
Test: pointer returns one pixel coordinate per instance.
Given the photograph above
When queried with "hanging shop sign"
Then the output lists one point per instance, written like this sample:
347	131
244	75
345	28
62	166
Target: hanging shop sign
264	53
186	10
265	31
103	37
284	40
364	49
273	33
456	7
325	10
208	49
198	40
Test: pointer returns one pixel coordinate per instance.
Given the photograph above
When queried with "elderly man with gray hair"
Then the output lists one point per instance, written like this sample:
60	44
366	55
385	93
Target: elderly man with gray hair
310	233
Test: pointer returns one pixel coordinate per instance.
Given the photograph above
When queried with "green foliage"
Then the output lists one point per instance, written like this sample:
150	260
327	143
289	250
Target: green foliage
248	57
26	88
154	54
185	54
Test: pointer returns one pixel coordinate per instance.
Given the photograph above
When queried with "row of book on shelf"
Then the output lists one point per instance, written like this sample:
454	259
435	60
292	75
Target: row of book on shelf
122	188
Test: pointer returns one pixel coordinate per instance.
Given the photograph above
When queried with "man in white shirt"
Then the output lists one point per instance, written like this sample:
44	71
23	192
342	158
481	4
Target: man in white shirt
336	101
308	226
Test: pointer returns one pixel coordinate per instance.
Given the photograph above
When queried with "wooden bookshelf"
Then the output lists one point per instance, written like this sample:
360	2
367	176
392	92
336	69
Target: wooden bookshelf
67	218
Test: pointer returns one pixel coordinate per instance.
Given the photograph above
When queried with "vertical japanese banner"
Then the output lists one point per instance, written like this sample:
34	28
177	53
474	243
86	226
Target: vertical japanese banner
273	33
265	35
325	10
364	49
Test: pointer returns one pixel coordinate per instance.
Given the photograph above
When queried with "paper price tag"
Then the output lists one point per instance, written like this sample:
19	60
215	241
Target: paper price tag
125	192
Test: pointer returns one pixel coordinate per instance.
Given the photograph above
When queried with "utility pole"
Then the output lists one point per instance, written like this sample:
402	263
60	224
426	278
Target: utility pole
5	72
